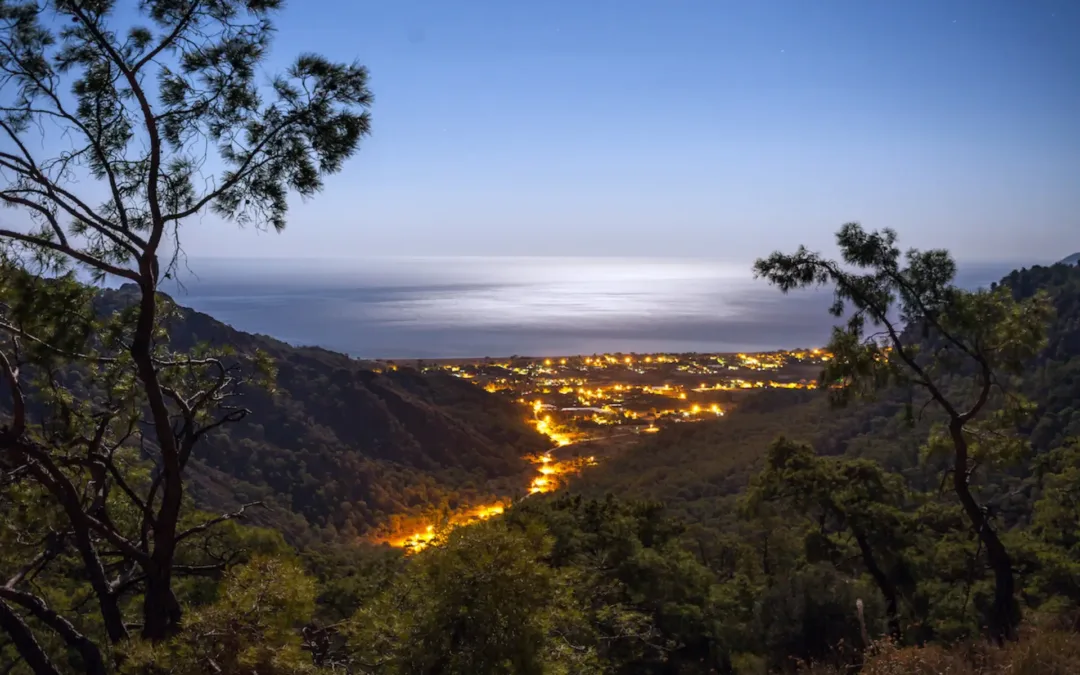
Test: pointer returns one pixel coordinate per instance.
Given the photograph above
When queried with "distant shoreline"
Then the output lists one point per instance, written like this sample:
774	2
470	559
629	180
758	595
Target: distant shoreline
458	360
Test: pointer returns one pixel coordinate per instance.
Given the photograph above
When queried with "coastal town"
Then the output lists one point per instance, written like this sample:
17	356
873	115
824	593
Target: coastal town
572	397
591	406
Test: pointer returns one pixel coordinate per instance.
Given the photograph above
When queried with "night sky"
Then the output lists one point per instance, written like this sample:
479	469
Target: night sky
693	128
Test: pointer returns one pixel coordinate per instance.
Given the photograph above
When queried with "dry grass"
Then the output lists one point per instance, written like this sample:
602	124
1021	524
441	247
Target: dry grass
1043	654
1038	653
930	660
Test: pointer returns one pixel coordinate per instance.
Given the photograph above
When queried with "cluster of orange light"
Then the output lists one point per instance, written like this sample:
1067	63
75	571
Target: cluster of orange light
602	361
419	539
695	409
551	473
547	478
545	426
747	384
547	470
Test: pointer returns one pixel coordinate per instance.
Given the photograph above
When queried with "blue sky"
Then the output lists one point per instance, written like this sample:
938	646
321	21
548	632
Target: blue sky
693	128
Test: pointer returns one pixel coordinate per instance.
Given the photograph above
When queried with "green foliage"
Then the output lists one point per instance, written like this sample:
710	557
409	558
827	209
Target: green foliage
343	447
811	615
1052	543
988	330
251	627
129	455
967	337
105	413
445	421
924	542
481	603
650	603
56	311
846	499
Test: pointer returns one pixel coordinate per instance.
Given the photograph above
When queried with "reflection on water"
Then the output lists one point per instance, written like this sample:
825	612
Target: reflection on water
442	307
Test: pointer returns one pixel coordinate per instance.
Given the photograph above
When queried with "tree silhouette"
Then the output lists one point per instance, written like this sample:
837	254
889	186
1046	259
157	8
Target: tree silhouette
115	133
957	346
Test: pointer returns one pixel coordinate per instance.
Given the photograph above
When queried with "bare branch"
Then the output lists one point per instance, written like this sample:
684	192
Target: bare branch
987	383
49	475
170	39
28	168
157	227
95	142
894	337
84	258
215	521
46	213
231	417
239	174
53	546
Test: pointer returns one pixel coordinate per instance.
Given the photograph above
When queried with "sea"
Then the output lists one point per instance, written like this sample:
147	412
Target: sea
465	307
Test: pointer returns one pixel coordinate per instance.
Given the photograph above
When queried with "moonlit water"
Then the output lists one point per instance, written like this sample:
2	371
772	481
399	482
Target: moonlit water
471	307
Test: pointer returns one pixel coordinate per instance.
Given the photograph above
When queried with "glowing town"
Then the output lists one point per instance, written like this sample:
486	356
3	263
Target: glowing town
600	402
573	397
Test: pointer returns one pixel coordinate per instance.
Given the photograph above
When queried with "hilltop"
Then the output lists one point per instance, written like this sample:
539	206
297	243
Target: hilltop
1074	259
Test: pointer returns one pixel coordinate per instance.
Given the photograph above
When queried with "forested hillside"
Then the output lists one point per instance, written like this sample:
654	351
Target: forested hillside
686	466
808	531
758	509
342	446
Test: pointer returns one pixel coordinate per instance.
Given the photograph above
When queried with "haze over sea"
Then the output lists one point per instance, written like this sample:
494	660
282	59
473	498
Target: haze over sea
441	307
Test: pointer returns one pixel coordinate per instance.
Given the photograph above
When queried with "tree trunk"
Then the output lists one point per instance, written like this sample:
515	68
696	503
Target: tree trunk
884	584
1004	614
161	611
